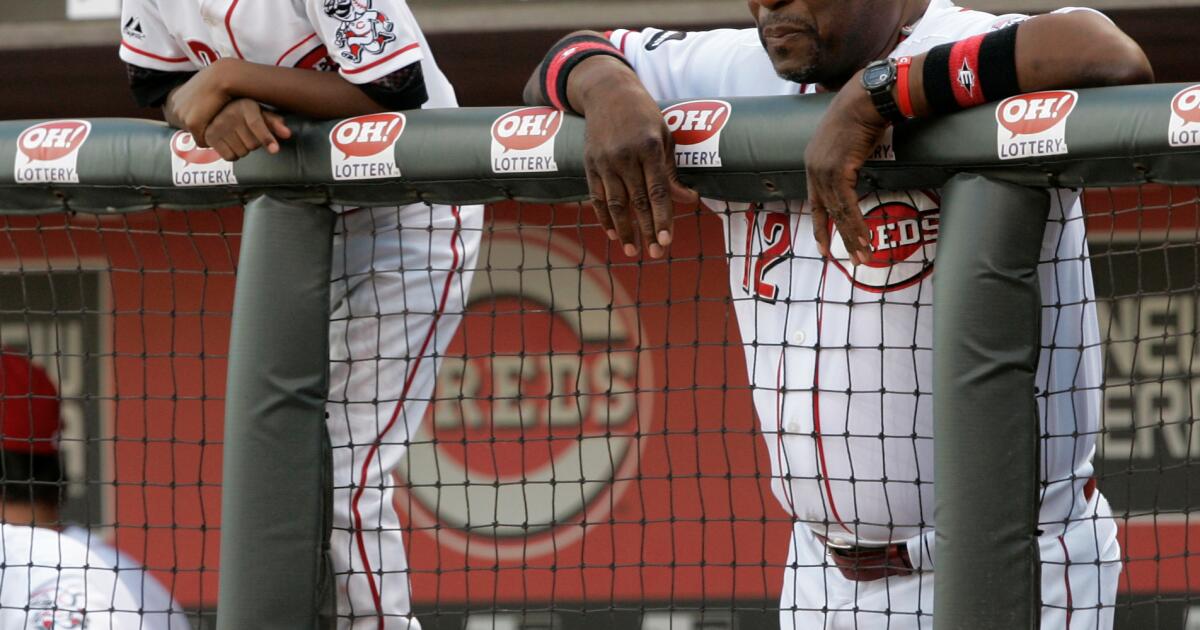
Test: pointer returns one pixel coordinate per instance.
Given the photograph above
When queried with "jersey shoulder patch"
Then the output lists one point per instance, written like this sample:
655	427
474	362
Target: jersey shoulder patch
361	30
61	605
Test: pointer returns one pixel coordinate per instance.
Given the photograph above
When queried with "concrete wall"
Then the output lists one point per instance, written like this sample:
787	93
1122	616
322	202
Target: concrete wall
487	68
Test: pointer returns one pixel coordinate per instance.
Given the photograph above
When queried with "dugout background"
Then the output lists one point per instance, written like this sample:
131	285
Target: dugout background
60	78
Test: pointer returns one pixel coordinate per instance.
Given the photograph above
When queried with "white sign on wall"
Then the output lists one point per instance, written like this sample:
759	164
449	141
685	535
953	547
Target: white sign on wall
93	9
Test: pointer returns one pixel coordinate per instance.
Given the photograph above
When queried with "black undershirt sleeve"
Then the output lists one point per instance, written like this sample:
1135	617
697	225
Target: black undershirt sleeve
151	87
401	90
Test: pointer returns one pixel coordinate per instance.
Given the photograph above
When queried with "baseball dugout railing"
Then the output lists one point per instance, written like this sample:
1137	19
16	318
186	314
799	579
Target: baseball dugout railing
123	227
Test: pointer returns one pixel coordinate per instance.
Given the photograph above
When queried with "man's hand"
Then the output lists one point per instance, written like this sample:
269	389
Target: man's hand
242	126
846	137
630	165
194	105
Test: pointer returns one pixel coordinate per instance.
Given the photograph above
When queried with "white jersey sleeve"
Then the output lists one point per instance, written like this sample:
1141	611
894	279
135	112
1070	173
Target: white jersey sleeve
722	62
945	23
368	39
146	41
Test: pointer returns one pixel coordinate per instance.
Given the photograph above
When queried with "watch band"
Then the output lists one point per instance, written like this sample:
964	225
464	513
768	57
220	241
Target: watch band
881	94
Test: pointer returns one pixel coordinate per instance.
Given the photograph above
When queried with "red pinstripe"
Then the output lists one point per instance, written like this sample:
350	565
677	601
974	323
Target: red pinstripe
379	61
293	48
412	374
1067	578
152	55
817	403
229	29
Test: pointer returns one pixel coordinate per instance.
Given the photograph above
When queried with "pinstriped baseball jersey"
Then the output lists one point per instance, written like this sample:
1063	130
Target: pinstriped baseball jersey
362	39
840	358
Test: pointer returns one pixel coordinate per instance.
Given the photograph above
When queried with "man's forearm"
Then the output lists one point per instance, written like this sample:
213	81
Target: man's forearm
1061	51
307	93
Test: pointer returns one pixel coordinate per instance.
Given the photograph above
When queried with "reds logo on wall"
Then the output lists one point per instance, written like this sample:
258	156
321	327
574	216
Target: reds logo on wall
539	403
904	234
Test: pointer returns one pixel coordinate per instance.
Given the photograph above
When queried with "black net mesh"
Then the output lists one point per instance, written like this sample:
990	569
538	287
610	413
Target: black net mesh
114	332
590	455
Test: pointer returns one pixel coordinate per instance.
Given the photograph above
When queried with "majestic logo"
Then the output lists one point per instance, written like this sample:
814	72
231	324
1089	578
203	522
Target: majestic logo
523	141
966	77
48	152
364	147
696	127
1034	125
663	37
133	28
534	424
362	29
904	234
195	166
1185	118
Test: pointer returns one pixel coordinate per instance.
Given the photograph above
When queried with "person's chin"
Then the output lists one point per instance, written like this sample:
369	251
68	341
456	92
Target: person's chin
795	71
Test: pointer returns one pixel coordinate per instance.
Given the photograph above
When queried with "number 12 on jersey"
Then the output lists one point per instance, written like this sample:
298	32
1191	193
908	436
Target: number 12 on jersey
774	238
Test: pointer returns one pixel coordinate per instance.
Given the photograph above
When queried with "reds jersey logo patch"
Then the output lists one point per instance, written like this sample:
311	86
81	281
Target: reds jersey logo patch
904	235
362	30
58	607
204	54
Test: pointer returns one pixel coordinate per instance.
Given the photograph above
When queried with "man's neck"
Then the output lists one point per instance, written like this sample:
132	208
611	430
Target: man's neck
30	514
910	13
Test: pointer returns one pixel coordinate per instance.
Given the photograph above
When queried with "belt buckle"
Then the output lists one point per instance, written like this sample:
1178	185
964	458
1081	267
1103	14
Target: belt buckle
837	543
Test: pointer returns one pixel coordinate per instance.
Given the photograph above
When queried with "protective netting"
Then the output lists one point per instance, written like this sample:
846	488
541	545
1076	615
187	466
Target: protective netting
591	455
123	321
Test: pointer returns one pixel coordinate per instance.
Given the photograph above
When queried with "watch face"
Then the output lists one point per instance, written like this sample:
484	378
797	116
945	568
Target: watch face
876	76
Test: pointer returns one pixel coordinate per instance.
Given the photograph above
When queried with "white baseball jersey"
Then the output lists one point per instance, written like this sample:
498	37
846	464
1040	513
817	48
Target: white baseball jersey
49	582
400	275
160	610
372	39
841	364
840	358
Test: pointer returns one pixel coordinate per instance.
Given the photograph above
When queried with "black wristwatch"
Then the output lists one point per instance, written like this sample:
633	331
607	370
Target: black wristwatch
878	79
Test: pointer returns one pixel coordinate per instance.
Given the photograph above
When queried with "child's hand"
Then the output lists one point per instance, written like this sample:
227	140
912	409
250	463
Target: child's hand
243	126
194	105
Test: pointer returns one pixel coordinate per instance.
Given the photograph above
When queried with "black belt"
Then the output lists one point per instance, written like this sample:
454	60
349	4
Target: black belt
869	563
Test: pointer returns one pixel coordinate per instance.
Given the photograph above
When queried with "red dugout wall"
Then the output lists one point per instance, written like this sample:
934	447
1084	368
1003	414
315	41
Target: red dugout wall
680	513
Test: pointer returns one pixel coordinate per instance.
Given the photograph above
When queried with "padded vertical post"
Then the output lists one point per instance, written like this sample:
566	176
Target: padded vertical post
986	344
276	493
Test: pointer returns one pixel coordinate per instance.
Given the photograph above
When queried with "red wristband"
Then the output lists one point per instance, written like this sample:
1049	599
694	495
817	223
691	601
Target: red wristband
964	72
564	57
903	88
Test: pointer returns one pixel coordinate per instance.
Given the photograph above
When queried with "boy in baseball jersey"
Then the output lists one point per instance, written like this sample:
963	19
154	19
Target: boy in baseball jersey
838	327
400	274
32	479
49	581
